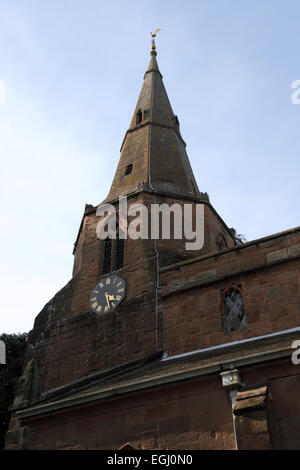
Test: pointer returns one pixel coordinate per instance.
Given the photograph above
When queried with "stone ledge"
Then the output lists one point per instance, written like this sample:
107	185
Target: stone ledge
246	400
284	253
253	392
162	376
196	279
183	284
236	249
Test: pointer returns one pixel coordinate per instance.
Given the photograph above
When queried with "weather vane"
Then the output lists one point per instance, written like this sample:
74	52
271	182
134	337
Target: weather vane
152	36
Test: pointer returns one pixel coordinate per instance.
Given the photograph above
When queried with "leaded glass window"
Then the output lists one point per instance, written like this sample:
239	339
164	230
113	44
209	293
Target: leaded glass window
234	312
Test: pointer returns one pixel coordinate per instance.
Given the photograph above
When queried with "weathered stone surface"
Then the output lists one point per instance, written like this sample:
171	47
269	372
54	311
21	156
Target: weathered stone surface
283	253
154	146
294	250
192	280
249	403
251	419
271	296
277	255
252	392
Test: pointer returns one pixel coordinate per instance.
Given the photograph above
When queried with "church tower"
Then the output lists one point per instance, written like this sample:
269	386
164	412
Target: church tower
153	169
132	301
72	339
153	344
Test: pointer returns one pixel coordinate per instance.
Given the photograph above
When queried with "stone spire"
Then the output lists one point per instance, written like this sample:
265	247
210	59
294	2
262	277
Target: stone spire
153	155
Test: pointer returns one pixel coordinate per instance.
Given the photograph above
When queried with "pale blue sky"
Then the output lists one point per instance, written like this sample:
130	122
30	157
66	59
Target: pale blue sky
73	70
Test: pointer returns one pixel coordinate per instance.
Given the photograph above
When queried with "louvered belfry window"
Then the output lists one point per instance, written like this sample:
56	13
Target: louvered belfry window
107	255
234	312
113	254
119	259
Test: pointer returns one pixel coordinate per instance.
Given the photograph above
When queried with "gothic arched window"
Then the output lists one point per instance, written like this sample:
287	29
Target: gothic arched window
234	312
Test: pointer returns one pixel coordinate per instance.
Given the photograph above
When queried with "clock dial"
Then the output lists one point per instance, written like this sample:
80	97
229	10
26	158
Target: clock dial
107	294
228	379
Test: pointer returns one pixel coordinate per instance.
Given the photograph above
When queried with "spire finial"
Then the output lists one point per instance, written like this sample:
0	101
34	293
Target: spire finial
153	46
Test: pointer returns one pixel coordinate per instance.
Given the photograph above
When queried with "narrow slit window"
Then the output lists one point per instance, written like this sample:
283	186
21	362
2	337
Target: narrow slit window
139	117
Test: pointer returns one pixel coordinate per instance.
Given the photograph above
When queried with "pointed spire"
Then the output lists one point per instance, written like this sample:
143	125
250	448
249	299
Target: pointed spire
153	66
153	155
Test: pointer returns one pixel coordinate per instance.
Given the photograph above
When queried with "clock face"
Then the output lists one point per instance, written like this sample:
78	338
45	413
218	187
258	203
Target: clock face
107	294
227	379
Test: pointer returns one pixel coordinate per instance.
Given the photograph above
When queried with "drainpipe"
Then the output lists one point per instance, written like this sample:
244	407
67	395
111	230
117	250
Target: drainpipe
231	382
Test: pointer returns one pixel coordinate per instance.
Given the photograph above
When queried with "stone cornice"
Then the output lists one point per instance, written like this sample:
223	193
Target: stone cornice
188	366
210	276
236	249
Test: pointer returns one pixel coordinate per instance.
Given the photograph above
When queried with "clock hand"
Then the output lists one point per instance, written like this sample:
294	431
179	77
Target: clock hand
107	299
